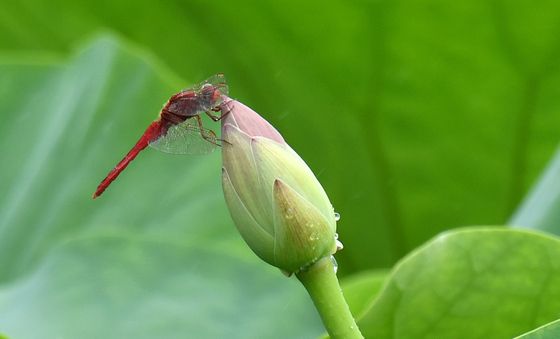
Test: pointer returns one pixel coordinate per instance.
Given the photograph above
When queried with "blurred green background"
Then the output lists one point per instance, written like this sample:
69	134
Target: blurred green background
416	116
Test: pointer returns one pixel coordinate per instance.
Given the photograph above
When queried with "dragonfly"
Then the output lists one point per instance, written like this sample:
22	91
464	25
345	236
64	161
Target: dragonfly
179	128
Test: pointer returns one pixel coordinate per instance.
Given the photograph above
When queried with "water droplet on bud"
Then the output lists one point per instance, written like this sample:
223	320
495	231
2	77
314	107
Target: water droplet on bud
336	216
339	245
335	264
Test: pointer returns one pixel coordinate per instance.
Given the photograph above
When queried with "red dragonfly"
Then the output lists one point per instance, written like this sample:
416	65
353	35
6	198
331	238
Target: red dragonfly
179	128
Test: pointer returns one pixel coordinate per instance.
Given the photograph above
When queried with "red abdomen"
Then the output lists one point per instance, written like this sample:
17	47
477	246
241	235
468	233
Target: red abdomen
153	131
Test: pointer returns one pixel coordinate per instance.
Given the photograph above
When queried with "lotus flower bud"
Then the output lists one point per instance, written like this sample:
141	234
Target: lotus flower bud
277	204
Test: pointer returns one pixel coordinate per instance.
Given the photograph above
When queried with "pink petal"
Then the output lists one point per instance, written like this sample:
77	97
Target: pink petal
248	121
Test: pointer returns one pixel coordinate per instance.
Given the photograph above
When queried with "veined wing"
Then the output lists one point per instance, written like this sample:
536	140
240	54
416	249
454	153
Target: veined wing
186	138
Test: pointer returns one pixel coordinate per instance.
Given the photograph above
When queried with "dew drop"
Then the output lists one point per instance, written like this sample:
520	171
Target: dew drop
339	245
289	214
336	236
336	216
335	264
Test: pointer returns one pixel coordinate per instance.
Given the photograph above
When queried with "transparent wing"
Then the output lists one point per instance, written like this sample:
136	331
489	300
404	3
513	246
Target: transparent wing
186	138
217	81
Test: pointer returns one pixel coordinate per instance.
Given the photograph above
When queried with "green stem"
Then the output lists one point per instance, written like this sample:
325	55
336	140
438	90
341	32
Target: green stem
322	285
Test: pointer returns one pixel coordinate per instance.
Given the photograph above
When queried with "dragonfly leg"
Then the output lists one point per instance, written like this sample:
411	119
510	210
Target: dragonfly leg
224	140
212	116
218	109
210	138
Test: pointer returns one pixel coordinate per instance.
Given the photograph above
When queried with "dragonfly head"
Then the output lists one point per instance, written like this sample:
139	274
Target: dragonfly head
211	95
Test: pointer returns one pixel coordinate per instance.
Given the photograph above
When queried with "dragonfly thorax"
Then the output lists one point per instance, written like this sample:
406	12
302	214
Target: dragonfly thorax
190	103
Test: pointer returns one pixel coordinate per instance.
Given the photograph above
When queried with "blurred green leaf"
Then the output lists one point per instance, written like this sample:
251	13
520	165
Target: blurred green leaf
156	256
541	209
360	290
477	283
123	287
415	114
548	331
